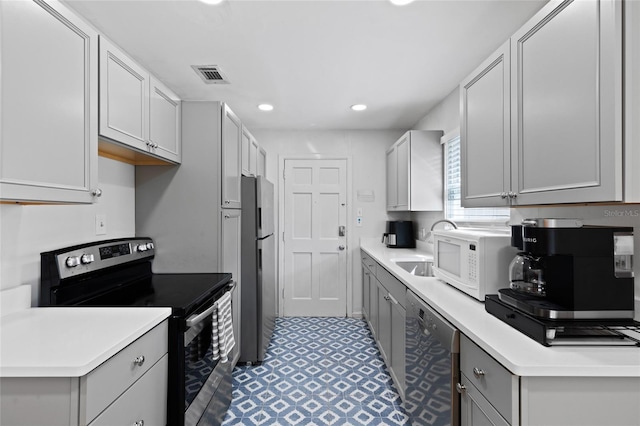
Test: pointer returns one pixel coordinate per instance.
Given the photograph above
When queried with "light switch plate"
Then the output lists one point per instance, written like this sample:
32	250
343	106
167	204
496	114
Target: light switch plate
101	224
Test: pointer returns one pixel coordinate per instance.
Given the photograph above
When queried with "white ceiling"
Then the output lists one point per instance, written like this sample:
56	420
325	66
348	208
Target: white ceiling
313	59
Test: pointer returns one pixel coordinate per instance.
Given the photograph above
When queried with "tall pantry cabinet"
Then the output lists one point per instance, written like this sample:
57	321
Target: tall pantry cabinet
192	211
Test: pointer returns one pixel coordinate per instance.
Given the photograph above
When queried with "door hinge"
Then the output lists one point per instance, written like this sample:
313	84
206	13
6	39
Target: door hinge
282	235
282	292
284	174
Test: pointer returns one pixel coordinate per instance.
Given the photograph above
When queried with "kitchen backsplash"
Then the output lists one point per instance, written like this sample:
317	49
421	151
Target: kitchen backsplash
28	230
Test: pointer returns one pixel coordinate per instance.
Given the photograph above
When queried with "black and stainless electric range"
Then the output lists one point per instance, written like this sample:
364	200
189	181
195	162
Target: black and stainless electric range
118	273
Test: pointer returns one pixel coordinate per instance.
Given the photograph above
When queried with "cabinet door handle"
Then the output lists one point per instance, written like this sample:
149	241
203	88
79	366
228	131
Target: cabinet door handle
478	372
512	194
139	361
97	192
139	423
503	195
461	388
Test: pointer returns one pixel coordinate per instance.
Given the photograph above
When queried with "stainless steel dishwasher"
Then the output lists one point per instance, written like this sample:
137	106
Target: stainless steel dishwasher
432	366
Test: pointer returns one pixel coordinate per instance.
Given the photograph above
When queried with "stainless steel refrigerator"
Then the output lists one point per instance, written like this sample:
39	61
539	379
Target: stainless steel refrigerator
258	285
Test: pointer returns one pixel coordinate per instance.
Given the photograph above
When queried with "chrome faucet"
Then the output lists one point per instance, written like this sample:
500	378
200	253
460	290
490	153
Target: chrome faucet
429	238
450	222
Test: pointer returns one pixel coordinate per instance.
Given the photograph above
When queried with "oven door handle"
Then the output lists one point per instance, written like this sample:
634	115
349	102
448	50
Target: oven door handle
197	318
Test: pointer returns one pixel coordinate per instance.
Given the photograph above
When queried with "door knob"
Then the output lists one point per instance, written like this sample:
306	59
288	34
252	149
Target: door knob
340	247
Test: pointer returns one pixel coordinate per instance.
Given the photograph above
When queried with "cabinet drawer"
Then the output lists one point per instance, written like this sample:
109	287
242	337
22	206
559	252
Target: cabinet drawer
144	402
104	384
475	409
368	262
393	285
495	382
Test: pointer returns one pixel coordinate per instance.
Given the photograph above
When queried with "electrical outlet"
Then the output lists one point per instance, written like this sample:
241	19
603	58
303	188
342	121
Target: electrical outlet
423	233
101	224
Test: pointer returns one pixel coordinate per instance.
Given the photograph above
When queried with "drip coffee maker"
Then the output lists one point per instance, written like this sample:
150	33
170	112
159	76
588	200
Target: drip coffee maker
565	277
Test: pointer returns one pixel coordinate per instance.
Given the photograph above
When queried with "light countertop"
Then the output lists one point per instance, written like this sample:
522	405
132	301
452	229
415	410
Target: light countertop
518	353
69	342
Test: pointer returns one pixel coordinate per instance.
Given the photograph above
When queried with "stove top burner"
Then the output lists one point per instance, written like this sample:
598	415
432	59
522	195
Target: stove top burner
566	332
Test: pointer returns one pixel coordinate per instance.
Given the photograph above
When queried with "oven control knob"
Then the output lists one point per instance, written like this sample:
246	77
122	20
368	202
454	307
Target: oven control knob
86	259
72	261
142	247
149	246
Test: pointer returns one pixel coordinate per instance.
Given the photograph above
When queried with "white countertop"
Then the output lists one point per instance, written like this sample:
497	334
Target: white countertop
517	352
69	342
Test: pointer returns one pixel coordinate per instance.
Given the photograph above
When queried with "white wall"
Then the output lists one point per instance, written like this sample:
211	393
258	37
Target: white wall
28	230
367	152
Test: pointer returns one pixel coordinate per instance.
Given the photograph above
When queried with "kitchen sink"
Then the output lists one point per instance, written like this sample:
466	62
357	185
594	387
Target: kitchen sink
415	265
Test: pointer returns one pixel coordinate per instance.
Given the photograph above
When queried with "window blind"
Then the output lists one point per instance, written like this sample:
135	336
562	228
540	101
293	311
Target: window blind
453	206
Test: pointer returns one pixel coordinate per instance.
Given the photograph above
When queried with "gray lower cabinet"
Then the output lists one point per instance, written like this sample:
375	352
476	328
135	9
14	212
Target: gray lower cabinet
118	392
492	395
384	309
50	122
542	117
489	392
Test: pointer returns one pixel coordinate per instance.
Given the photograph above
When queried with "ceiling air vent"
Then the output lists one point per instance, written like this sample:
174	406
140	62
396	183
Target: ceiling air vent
211	74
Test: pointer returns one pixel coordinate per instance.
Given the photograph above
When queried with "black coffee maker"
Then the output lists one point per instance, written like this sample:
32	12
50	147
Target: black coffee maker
567	270
569	284
399	234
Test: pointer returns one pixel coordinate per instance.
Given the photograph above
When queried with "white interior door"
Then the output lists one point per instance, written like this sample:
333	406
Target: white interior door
315	253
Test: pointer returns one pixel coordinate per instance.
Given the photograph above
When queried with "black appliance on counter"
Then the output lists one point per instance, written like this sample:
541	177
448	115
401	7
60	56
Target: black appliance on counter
118	273
399	234
570	284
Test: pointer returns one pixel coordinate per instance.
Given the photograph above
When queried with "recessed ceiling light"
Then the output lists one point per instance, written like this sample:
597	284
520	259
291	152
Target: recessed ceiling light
401	2
265	107
212	1
358	107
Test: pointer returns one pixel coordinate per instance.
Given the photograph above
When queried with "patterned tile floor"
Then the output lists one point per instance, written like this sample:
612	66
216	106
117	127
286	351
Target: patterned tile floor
317	371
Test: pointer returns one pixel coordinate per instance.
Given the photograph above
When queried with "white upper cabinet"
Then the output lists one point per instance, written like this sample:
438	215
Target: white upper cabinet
566	104
414	172
49	121
231	158
164	121
136	110
542	117
124	94
485	133
254	157
262	162
246	151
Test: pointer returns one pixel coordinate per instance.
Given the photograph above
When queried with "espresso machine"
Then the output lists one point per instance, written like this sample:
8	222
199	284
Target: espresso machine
570	284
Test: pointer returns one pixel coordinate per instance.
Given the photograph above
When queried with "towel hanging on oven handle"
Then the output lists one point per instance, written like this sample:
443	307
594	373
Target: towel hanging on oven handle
196	318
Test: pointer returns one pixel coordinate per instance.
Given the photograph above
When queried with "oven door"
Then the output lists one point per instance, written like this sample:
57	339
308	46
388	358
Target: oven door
207	382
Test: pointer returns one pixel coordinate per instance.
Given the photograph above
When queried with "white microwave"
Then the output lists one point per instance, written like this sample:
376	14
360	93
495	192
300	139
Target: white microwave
475	261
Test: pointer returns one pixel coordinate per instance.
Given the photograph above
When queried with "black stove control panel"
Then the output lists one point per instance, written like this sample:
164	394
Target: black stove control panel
86	258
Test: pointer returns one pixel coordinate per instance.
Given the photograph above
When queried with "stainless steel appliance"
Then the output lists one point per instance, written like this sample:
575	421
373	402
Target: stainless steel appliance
258	288
118	273
570	284
475	261
399	234
432	366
